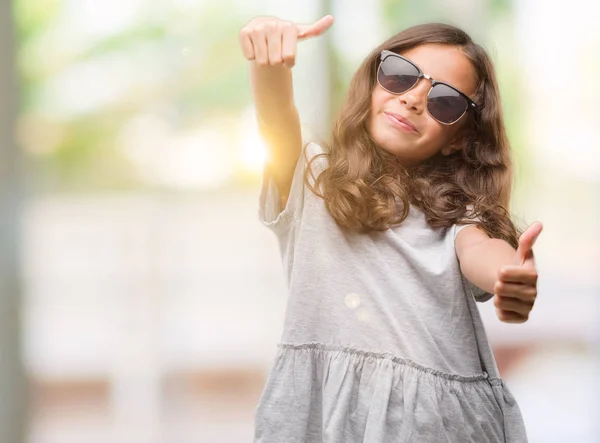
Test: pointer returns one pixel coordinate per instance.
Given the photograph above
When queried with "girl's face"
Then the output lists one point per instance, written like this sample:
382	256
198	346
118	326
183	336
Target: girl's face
421	137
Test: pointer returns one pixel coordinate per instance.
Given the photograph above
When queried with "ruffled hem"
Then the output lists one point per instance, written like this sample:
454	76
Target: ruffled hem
320	393
319	348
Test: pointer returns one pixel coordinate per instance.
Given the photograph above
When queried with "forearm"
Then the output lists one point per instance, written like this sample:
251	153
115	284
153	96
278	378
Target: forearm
278	121
272	91
480	262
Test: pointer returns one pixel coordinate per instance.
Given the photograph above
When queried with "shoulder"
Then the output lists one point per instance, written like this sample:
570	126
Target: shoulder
467	232
466	236
313	149
316	155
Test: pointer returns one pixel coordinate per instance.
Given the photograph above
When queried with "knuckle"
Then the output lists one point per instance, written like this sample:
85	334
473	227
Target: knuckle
257	29
288	27
532	299
289	57
527	301
274	25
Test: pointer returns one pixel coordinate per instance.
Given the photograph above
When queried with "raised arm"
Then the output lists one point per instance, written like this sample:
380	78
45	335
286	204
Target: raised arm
269	44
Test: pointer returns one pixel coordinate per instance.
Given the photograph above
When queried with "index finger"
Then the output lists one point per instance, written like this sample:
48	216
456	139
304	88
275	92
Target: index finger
517	274
247	46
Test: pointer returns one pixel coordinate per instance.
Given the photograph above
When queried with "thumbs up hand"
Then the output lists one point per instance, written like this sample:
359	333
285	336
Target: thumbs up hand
516	287
272	41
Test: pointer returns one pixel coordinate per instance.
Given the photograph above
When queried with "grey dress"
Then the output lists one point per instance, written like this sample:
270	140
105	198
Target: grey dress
382	338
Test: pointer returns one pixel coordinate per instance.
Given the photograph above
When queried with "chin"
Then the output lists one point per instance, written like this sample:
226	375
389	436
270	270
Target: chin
393	147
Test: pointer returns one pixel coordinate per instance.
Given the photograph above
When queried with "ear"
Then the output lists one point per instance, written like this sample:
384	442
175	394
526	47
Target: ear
457	143
452	147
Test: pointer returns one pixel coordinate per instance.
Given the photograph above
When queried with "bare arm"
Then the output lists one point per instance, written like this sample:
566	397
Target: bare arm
270	46
278	120
496	267
481	257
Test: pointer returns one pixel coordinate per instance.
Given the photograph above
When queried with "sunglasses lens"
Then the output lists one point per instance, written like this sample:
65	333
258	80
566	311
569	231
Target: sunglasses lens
397	75
446	104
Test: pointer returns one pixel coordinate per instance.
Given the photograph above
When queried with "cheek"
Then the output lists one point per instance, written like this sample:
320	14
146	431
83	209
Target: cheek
377	101
377	106
438	134
435	138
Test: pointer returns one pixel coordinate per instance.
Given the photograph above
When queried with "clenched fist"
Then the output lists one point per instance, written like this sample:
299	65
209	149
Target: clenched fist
516	287
272	41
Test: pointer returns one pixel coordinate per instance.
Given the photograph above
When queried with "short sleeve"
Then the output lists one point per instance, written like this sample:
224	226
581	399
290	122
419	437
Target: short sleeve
479	294
476	292
270	213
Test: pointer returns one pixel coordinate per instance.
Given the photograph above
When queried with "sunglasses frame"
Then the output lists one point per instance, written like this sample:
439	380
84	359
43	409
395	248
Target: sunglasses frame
385	54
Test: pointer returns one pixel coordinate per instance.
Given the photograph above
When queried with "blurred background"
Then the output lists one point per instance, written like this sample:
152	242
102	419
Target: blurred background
141	300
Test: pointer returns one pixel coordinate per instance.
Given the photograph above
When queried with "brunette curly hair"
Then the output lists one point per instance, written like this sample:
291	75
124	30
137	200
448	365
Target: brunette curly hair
367	189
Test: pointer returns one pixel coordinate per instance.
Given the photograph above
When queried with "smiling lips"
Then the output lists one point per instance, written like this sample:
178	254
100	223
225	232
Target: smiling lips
400	122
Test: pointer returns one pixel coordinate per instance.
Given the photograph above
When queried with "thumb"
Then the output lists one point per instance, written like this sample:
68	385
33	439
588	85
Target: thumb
316	29
526	242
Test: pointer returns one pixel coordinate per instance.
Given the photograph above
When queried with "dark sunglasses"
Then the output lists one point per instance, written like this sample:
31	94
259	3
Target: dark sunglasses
445	103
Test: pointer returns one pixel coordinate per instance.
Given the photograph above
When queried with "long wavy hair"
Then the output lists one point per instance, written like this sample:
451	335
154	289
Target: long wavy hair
366	188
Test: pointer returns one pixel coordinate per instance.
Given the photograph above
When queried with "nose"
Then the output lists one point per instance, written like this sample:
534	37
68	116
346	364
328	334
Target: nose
416	98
